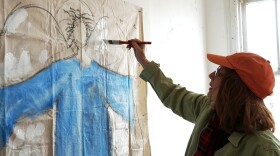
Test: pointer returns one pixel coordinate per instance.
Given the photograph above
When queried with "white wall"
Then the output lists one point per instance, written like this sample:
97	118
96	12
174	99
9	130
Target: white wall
177	31
181	31
220	34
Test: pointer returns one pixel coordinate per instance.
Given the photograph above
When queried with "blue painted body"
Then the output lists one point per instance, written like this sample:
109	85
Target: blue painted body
80	95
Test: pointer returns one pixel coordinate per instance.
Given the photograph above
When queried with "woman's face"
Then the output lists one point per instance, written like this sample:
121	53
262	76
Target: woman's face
216	78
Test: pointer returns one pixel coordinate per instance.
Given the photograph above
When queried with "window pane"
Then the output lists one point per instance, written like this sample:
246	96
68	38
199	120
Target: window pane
261	30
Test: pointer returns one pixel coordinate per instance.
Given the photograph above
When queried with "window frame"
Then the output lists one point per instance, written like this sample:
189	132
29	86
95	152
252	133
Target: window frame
240	12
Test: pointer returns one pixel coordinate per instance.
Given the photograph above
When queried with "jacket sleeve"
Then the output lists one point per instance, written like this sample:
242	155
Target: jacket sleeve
182	102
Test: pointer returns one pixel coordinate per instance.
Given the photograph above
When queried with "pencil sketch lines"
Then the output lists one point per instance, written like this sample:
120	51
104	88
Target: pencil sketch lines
75	23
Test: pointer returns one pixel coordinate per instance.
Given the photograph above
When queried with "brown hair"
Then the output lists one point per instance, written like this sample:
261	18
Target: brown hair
239	108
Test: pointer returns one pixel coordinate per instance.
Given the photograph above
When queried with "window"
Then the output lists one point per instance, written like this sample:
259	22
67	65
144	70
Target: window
258	32
260	29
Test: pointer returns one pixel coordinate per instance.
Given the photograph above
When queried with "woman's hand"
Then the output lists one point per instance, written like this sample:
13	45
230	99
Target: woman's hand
139	51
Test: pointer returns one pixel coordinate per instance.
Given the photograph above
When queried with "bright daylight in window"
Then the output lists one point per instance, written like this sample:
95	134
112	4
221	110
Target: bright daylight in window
261	37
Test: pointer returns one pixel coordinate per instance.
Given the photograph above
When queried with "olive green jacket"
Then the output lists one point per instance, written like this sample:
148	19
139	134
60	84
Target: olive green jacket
197	108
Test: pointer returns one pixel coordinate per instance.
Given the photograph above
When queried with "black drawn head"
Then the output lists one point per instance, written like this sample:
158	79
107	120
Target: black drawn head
79	27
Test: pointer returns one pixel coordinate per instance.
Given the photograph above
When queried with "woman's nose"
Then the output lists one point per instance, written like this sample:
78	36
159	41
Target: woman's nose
212	75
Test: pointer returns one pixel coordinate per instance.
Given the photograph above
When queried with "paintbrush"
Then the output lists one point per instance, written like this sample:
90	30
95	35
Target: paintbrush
119	42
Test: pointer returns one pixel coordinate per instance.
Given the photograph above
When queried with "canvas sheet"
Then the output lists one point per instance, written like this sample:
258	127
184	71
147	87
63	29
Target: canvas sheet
63	90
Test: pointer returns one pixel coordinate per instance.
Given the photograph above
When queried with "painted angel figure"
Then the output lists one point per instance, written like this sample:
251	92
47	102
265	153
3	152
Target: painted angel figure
76	87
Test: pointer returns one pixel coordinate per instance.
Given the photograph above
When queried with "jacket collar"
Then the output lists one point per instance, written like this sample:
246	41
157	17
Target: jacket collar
235	138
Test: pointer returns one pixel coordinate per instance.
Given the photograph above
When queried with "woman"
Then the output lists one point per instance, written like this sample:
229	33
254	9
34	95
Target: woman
232	119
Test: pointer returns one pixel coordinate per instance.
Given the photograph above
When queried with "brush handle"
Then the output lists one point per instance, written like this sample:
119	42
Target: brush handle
142	42
118	42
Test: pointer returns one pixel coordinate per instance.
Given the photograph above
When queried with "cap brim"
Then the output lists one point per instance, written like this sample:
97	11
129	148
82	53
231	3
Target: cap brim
219	60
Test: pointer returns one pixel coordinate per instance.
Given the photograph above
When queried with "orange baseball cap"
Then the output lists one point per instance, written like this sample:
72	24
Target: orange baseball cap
254	71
